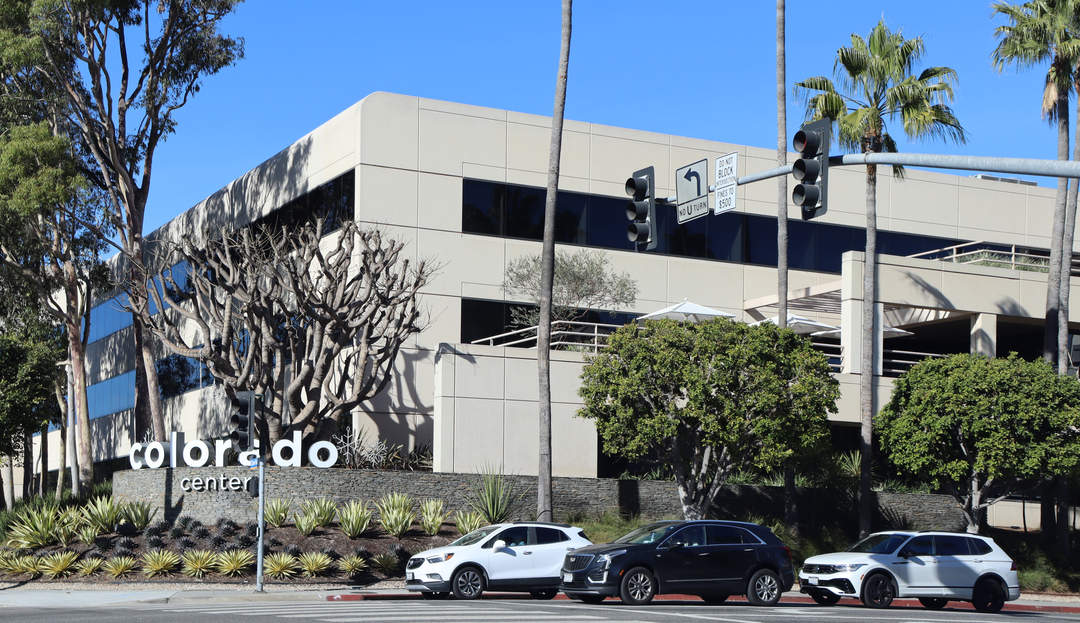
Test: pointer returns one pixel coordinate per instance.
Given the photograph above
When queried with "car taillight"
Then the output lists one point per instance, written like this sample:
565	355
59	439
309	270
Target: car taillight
788	550
1012	567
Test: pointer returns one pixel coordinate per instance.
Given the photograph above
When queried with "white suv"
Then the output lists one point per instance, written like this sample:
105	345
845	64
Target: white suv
936	567
523	556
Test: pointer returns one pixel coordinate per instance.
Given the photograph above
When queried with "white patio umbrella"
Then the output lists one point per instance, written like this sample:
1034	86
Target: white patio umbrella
886	333
687	312
801	325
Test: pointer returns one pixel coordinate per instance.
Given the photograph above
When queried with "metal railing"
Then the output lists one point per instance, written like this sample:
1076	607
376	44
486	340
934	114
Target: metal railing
983	253
894	362
565	335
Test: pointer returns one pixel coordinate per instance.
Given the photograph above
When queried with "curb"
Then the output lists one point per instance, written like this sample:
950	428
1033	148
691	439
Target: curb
901	603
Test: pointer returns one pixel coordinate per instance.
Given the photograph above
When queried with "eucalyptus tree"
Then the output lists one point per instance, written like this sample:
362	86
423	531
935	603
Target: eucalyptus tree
877	85
547	278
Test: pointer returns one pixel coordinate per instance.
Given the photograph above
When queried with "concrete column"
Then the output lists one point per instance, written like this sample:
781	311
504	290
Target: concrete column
851	310
984	334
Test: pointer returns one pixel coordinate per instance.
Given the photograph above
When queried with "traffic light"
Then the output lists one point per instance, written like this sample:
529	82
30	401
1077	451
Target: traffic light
812	168
641	209
242	421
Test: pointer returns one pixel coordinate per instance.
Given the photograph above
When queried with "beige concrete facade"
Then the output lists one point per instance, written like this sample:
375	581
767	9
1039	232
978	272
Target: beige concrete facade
410	156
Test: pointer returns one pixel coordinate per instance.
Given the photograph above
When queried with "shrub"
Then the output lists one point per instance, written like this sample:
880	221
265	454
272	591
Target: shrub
395	513
432	515
127	543
197	563
314	563
177	532
58	564
331	552
70	521
155	542
276	512
252	530
123	553
119	566
159	562
387	562
185	543
139	514
493	497
245	541
352	565
234	562
305	525
280	566
157	529
467	521
27	565
322	511
355	519
202	532
103	543
88	533
89	566
7	561
292	550
33	527
104	513
218	543
186	522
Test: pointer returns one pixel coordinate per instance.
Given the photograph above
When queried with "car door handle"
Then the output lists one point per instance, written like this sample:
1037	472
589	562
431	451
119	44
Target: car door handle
703	553
526	553
901	562
748	549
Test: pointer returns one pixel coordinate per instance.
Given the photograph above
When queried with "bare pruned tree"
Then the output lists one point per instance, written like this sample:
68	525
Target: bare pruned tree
312	324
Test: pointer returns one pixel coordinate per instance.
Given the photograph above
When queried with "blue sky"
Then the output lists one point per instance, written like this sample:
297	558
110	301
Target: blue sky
704	69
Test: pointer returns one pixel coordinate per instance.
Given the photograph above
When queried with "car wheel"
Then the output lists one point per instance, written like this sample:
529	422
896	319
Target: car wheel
467	583
933	603
714	598
547	593
878	591
434	595
763	588
638	587
825	598
988	596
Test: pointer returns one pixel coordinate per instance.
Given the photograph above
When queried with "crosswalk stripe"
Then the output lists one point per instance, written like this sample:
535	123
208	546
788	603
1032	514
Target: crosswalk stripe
441	615
264	609
536	618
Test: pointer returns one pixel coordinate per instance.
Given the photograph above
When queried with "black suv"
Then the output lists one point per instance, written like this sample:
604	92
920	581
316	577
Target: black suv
712	559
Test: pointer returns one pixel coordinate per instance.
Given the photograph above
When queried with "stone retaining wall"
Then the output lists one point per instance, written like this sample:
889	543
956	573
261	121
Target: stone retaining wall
165	489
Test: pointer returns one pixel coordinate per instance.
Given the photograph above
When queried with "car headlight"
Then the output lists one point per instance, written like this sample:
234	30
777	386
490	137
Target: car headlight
435	559
605	559
848	567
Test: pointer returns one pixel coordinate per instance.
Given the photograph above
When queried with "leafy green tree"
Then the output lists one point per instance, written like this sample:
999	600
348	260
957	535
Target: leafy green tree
877	85
977	426
28	377
710	398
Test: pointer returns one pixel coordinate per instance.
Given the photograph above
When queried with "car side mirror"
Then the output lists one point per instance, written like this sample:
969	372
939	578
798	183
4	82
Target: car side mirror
499	545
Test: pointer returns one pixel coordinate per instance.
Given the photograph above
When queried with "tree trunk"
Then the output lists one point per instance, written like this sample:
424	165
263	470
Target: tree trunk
9	481
866	369
61	460
1057	234
1064	287
1047	518
83	440
544	511
973	511
43	479
27	465
1061	526
150	377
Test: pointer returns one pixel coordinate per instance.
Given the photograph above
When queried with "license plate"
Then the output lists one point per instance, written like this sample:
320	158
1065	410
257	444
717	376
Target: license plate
812	580
409	576
568	577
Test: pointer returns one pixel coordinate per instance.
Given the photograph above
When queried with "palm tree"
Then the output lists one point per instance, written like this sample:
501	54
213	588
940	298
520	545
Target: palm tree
547	276
1040	31
878	86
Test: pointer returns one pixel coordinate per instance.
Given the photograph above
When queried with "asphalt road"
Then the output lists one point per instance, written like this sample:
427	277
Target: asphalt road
496	611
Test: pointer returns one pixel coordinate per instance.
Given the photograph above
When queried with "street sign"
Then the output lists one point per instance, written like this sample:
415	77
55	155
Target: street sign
692	191
727	168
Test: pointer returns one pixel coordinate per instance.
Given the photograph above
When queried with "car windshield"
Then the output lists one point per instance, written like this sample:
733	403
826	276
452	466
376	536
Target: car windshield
475	535
879	543
647	534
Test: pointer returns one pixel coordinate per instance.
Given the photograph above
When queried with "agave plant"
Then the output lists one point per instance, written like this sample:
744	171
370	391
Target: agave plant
119	566
277	512
395	513
467	521
355	519
139	514
280	566
88	533
432	515
198	562
305	524
387	562
104	513
159	562
352	565
89	566
59	564
33	527
493	497
27	565
322	511
314	563
234	562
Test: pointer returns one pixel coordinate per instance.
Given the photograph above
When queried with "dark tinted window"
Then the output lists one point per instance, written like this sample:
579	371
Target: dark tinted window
514	537
333	201
690	536
550	535
951	546
979	547
725	535
879	543
919	546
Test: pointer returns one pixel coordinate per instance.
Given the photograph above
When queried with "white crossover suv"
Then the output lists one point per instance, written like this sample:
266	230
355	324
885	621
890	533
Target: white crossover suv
936	567
522	556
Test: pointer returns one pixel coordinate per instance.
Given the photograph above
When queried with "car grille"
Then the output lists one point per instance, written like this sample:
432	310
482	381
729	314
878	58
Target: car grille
414	563
577	562
819	569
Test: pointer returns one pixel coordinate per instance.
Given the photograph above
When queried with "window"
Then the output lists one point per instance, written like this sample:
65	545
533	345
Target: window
979	547
545	536
919	546
690	536
515	211
112	395
481	319
514	537
951	546
333	201
108	317
727	535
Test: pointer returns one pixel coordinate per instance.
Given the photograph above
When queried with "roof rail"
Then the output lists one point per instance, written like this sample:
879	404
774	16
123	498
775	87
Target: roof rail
542	523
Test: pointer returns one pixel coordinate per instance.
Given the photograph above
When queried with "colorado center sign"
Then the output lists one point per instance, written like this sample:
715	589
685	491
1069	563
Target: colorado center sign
198	453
